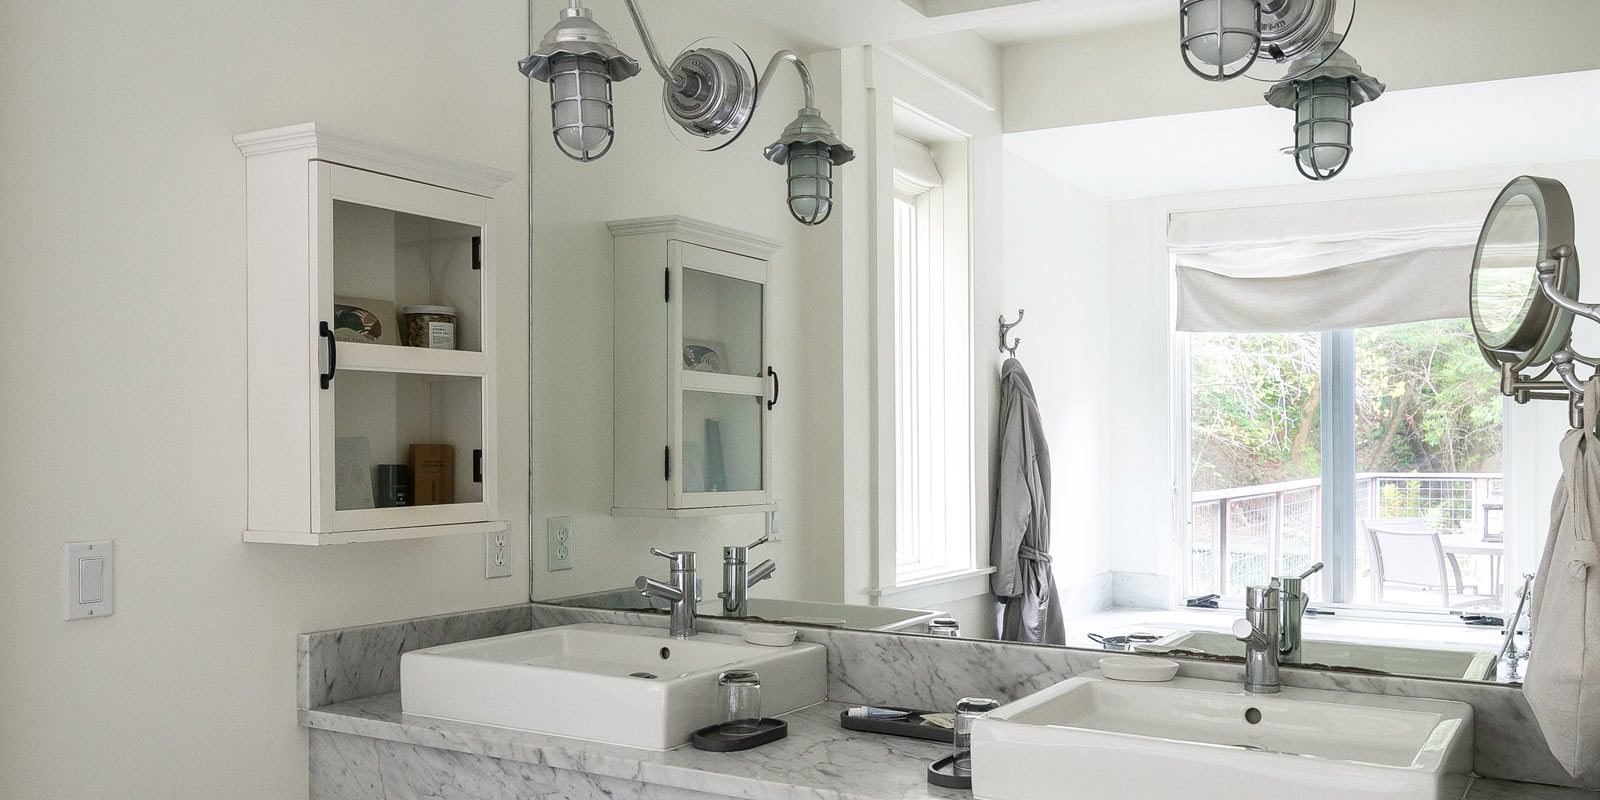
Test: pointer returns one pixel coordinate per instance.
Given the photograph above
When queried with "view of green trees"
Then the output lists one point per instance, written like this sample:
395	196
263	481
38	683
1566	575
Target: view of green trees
1425	402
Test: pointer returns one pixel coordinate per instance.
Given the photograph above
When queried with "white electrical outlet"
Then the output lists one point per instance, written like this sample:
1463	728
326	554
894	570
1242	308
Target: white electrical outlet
559	540
496	555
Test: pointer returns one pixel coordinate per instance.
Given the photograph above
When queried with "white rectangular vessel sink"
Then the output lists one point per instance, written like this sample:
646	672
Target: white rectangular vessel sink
1471	665
1211	740
618	684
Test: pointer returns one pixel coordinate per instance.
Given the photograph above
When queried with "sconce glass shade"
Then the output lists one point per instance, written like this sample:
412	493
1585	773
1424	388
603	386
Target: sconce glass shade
1224	35
810	183
1322	100
1322	127
579	59
580	106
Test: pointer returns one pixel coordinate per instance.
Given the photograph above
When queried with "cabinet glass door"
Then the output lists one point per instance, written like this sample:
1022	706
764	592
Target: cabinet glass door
722	324
722	381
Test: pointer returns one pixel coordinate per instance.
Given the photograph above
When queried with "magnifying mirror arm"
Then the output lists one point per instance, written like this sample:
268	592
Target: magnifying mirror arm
1550	270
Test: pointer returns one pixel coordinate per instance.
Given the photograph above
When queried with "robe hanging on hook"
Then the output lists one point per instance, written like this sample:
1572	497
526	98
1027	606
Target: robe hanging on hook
1005	328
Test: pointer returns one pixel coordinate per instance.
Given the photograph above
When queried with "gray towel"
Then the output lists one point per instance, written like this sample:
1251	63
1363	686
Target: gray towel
1563	682
1029	606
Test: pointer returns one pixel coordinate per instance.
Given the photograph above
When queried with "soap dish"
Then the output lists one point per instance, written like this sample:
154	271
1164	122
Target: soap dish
769	635
1138	668
942	773
717	740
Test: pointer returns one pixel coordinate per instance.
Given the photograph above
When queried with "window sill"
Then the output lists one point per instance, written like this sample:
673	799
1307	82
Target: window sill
936	589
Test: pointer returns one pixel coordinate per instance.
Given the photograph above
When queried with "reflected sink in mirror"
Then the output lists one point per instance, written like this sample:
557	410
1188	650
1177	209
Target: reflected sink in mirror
797	612
833	615
1471	665
1211	740
617	684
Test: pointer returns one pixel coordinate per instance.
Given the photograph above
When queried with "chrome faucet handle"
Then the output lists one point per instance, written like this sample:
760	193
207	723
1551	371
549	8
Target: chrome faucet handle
1315	568
757	543
1245	631
681	559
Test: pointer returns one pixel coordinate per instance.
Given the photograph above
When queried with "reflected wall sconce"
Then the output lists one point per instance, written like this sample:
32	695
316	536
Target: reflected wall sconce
709	92
1294	45
1322	99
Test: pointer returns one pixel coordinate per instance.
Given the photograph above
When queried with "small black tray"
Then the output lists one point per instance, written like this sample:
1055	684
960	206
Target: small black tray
912	726
941	773
714	739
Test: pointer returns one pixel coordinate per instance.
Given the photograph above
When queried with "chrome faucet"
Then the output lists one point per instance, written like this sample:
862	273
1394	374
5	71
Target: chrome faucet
1271	629
738	577
1259	632
1292	602
680	593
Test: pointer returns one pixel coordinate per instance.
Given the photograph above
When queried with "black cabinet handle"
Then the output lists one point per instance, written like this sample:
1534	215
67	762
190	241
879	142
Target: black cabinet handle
333	356
775	388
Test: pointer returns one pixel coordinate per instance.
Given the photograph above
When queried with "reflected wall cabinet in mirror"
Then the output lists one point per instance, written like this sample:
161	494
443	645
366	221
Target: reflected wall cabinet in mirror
693	387
371	346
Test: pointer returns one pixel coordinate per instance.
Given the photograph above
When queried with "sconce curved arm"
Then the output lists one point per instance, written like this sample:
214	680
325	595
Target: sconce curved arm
772	68
673	79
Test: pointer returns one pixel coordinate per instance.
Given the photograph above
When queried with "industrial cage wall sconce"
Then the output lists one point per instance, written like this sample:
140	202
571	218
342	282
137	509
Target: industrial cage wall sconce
710	92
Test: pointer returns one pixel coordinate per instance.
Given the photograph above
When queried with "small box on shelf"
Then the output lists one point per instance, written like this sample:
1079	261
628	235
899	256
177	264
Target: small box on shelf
433	474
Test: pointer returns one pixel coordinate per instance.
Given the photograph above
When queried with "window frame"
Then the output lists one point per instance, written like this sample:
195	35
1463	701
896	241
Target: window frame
1338	362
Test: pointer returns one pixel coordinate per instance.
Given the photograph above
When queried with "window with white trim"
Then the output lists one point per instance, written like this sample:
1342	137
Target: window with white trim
934	526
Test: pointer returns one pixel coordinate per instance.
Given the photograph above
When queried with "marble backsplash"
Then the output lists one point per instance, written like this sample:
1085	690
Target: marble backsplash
912	671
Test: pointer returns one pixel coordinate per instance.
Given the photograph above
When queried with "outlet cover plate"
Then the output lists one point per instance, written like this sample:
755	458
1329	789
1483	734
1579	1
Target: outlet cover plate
496	555
559	538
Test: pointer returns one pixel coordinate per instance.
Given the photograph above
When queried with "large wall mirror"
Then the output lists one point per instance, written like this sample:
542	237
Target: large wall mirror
1242	378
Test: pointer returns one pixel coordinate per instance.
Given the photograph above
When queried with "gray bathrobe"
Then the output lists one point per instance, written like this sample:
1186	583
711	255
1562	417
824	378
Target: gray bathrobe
1029	606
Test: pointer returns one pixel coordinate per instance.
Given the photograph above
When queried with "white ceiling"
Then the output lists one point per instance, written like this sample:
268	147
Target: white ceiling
834	24
1515	121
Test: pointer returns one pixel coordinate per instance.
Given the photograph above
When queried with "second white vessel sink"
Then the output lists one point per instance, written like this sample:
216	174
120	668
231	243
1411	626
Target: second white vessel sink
1210	740
618	684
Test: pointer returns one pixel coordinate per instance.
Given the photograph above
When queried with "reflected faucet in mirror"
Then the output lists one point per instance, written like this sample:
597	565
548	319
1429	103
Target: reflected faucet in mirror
680	593
738	577
1271	629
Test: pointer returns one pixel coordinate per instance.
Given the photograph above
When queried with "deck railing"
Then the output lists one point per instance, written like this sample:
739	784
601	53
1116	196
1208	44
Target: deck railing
1254	532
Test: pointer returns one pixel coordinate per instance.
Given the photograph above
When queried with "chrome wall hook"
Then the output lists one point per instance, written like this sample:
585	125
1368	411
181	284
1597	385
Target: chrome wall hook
1005	328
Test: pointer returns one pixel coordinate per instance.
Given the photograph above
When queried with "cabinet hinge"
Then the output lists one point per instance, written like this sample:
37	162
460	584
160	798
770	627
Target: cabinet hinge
666	463
477	252
666	288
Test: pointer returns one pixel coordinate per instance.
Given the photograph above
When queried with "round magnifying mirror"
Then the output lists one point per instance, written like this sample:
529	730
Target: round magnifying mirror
1515	323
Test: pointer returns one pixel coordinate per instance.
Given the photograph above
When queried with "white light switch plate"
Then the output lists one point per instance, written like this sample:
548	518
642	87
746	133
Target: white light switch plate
559	535
88	580
496	555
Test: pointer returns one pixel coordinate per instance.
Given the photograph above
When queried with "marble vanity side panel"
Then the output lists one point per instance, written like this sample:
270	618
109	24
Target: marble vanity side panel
345	767
347	663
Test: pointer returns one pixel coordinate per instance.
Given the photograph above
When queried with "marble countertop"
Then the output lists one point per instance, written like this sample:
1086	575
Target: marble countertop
818	761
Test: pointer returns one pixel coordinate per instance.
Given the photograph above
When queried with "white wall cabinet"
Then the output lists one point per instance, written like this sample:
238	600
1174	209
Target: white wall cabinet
693	389
331	219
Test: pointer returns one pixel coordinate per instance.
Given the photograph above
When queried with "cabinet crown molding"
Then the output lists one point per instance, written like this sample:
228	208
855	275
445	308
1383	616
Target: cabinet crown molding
707	234
319	143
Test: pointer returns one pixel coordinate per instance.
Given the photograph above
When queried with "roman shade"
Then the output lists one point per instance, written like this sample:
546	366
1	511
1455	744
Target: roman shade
914	170
1326	266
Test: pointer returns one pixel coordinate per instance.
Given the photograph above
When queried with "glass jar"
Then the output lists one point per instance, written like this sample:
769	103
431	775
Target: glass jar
741	700
433	327
968	709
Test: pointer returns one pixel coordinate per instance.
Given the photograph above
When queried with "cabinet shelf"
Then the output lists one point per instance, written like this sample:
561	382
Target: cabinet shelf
412	360
723	384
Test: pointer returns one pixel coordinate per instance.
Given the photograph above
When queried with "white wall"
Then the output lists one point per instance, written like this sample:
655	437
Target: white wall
1135	71
648	173
122	261
1057	266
